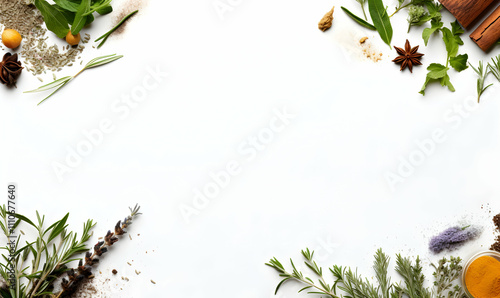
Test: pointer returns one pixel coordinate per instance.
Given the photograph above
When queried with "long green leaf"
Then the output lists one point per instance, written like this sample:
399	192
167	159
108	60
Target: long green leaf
51	85
381	20
81	17
53	92
54	20
358	19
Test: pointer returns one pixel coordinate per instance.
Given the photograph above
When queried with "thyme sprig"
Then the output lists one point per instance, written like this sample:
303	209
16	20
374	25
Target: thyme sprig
59	83
349	284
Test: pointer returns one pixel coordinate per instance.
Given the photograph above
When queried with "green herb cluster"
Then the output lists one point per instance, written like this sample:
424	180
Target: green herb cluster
349	284
419	12
31	268
53	248
439	72
71	15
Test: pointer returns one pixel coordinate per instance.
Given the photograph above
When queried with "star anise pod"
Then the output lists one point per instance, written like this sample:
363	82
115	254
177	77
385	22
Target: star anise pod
408	56
10	69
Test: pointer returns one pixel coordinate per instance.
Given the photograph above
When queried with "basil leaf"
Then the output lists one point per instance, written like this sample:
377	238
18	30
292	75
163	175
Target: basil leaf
381	20
53	18
459	62
104	10
90	19
70	16
80	18
70	5
358	19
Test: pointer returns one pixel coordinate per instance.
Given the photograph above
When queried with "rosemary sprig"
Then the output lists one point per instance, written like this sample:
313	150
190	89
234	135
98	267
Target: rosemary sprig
350	284
53	246
482	73
105	36
322	288
495	67
58	84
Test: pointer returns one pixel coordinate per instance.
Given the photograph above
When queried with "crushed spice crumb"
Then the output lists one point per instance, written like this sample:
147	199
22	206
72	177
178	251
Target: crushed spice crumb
327	21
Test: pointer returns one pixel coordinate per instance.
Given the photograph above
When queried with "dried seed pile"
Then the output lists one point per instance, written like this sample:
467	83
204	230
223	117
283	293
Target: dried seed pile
37	55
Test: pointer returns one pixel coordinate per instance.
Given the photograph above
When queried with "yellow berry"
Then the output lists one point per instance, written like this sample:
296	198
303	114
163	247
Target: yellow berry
11	38
73	39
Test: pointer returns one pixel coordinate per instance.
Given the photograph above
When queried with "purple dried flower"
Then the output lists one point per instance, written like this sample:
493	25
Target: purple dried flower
452	238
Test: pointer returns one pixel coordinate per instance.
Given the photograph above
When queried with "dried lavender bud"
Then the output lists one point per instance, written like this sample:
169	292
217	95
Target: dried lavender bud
110	238
118	228
452	238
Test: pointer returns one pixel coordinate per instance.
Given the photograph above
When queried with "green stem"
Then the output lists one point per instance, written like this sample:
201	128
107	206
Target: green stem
364	12
399	8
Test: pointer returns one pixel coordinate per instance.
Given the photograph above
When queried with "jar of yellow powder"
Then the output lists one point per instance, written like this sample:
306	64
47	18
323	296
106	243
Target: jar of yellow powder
481	275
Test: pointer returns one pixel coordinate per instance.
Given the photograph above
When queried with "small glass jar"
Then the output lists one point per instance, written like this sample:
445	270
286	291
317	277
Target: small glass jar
489	253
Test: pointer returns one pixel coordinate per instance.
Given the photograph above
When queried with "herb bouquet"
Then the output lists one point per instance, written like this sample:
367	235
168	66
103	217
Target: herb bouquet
39	267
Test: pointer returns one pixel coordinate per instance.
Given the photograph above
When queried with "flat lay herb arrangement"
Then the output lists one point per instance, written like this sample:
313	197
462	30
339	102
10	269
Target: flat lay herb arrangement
25	24
478	278
40	267
428	14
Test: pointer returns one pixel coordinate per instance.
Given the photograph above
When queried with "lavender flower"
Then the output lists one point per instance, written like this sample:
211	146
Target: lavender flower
453	238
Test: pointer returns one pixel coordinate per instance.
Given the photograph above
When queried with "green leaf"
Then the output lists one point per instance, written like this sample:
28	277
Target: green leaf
53	18
456	29
450	42
69	5
104	10
381	20
445	81
435	26
358	19
459	62
69	15
437	72
81	17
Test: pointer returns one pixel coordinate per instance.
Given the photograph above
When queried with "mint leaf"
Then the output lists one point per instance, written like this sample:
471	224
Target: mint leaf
437	72
459	62
450	42
435	26
445	81
456	29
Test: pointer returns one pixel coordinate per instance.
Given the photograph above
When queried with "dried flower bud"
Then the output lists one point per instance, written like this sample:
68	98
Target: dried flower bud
110	238
98	249
118	229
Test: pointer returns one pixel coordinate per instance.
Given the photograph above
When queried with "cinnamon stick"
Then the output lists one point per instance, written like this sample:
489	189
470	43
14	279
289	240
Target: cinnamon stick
488	33
466	11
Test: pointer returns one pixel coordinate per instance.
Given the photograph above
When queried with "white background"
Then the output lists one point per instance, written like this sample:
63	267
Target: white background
321	180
